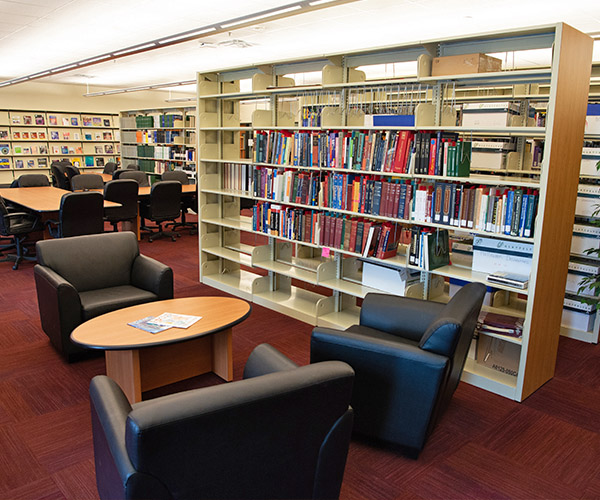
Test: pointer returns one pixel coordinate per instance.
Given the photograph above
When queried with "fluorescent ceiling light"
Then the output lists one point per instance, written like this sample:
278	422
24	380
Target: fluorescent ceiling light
261	16
134	49
185	35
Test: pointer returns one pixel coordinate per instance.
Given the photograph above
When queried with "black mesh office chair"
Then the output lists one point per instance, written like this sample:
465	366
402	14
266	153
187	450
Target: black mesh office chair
84	182
136	175
17	225
187	202
32	180
59	176
164	206
125	192
80	213
110	168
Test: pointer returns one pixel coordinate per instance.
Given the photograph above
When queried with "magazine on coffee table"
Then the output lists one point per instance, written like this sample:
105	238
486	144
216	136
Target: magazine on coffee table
174	320
144	324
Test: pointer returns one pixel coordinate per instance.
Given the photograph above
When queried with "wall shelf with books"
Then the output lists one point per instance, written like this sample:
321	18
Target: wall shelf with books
346	172
160	139
31	140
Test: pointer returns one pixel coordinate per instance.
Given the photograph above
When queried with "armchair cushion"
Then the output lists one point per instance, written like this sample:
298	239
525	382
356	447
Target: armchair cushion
97	302
441	336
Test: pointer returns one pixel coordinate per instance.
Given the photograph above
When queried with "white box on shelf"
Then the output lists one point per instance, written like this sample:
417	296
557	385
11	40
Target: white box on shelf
488	114
590	159
578	315
388	278
588	200
584	237
490	155
491	255
592	120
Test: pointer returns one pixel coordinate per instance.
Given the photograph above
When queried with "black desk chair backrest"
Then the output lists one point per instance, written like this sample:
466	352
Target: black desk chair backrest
281	433
133	166
117	173
80	214
33	180
110	168
59	176
71	172
136	175
125	192
83	182
176	175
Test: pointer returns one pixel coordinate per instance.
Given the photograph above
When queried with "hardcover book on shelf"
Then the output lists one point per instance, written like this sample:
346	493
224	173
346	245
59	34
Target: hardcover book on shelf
19	164
4	162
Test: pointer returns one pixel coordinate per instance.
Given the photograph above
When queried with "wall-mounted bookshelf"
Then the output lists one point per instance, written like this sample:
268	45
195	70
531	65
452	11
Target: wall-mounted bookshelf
283	197
160	139
32	140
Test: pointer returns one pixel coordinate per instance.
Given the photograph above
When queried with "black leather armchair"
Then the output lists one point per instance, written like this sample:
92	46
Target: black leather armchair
282	432
82	277
408	355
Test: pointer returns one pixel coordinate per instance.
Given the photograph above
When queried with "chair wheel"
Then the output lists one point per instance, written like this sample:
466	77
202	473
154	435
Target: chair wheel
173	238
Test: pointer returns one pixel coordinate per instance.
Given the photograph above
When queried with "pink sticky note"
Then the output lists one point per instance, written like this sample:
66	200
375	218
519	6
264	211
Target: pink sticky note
325	252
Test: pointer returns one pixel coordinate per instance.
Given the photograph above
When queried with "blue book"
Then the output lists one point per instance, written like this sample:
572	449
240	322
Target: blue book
510	198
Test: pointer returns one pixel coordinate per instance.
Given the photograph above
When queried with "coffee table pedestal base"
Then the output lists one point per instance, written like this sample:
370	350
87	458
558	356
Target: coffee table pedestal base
140	370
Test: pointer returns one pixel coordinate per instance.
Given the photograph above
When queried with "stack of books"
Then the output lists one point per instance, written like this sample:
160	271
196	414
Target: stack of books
499	324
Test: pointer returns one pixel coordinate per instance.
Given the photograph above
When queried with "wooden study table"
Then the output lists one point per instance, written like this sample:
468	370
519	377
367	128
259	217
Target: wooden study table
139	361
42	199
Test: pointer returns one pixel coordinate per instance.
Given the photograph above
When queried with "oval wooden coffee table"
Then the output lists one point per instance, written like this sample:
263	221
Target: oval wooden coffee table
140	361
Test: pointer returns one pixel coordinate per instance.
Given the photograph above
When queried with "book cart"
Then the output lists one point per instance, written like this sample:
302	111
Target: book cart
159	139
31	140
278	252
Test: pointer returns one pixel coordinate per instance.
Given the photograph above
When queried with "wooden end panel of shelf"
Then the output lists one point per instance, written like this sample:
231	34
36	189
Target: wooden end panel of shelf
574	49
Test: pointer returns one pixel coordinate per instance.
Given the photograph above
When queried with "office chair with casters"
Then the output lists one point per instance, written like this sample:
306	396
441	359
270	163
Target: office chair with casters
133	166
110	167
187	202
136	175
79	214
59	176
408	355
17	226
125	192
164	205
280	433
33	180
82	277
84	182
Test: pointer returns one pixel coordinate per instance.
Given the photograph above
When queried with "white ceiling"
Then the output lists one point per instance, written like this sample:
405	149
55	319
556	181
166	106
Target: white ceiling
36	35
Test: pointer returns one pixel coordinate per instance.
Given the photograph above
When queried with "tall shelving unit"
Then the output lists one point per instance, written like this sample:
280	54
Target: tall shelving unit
581	264
160	139
32	140
321	285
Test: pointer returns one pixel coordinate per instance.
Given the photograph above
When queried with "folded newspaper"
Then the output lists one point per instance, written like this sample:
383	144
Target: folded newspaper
174	320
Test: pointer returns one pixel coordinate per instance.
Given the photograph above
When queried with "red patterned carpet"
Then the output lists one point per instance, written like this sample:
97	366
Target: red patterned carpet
484	447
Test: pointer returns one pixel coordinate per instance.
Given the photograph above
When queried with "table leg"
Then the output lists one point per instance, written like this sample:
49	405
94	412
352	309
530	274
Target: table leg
222	355
124	368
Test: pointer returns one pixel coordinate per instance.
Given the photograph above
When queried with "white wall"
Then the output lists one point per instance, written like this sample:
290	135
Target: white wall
68	97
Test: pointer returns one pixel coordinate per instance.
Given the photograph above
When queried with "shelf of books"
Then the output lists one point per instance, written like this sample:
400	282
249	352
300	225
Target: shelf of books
160	139
32	140
312	196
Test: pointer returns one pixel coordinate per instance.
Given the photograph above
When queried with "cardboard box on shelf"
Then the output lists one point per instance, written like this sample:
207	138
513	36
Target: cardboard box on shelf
465	64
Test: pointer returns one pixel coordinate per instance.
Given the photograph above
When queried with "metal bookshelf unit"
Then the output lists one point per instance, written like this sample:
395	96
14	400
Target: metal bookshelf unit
322	284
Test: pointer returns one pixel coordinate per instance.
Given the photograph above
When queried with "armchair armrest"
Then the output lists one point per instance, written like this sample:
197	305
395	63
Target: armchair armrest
400	374
402	316
59	305
154	276
266	359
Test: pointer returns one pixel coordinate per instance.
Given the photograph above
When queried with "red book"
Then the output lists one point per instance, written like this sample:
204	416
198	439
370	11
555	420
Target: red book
339	224
395	194
352	242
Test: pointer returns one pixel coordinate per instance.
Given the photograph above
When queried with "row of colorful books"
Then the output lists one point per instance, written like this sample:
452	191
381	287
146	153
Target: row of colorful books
425	153
353	234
